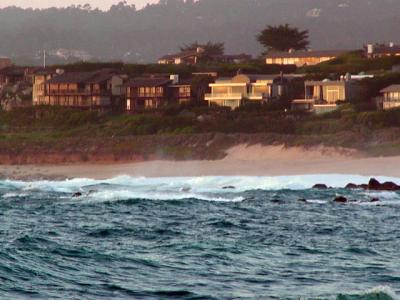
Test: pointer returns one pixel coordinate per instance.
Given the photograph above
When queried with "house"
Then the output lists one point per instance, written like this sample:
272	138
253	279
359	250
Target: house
11	75
326	95
5	62
302	58
195	56
87	90
236	91
180	91
156	91
184	57
379	51
39	77
391	97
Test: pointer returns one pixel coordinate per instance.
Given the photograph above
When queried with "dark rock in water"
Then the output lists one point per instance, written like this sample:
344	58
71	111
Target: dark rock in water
320	186
302	200
352	186
228	187
390	186
375	185
277	201
375	200
340	199
363	186
76	195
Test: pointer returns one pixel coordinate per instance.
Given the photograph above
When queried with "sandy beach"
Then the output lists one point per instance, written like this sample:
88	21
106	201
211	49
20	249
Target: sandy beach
241	160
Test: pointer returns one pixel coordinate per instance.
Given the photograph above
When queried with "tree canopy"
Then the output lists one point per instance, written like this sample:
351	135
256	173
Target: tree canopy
283	38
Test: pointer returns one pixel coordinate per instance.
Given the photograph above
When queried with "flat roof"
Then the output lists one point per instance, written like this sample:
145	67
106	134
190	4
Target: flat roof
306	54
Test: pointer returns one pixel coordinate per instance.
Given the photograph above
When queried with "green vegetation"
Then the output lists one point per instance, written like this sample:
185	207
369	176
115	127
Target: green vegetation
209	48
354	63
184	132
283	38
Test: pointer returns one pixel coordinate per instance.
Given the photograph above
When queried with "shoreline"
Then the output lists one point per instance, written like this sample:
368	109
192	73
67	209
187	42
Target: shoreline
241	160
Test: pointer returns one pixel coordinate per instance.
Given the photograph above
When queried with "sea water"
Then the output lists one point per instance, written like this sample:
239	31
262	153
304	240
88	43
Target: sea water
198	238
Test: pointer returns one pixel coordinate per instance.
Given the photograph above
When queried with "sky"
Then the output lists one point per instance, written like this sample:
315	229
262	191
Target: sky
102	4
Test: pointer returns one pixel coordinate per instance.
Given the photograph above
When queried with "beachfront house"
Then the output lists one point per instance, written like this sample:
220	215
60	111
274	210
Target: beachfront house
183	57
381	50
156	91
244	88
11	75
194	57
302	58
86	90
39	77
326	95
391	97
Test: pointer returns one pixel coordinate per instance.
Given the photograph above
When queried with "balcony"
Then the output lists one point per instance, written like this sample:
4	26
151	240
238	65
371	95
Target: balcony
257	96
79	92
223	96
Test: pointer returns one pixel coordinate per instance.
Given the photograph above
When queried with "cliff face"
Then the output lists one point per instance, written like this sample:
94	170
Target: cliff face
209	146
129	149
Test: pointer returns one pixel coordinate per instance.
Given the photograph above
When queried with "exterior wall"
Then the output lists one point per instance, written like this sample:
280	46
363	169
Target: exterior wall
180	93
329	92
334	93
298	61
145	97
387	105
38	89
391	100
189	60
239	90
116	86
96	95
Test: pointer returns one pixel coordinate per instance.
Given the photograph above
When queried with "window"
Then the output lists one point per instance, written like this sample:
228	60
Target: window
333	95
184	92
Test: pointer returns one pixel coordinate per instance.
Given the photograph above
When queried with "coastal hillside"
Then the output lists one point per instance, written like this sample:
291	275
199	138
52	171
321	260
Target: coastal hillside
55	135
126	33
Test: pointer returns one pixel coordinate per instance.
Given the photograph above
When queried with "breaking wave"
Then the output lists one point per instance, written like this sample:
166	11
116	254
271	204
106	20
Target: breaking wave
198	238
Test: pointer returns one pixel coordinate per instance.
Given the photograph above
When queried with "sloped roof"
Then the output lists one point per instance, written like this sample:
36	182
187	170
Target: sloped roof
391	89
307	54
12	71
149	82
82	77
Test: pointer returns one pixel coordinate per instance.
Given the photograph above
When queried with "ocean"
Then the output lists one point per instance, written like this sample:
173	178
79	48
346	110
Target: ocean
198	238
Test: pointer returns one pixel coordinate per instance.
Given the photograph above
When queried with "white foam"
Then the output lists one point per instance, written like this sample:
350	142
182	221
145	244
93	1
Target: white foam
127	194
385	289
209	188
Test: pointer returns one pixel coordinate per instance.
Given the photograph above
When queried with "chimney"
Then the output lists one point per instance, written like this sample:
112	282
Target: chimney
174	78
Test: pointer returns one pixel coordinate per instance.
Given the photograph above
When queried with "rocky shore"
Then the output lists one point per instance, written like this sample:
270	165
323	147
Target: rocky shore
372	185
